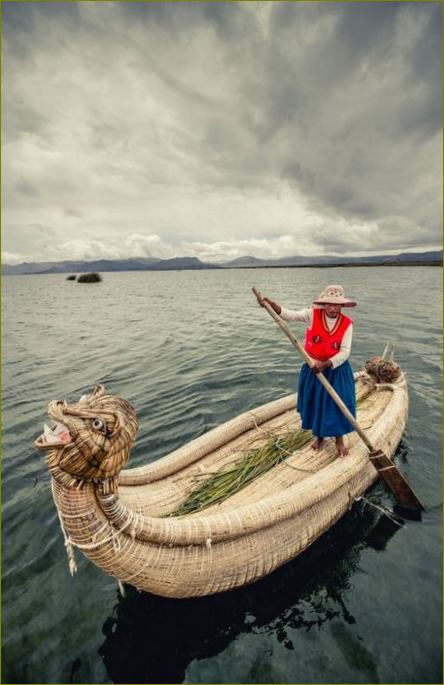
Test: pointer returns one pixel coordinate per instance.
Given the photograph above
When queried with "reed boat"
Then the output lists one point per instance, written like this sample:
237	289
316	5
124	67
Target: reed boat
154	527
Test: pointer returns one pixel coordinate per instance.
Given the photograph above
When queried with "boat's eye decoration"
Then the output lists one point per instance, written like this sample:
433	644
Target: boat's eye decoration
98	424
92	439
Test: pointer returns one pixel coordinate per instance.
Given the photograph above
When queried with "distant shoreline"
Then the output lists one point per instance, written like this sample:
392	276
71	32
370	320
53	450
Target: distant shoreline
334	266
238	268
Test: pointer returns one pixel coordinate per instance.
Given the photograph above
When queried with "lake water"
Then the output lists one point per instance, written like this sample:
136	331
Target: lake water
190	350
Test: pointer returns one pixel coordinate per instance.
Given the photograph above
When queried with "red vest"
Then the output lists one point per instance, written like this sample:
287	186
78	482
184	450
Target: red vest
320	343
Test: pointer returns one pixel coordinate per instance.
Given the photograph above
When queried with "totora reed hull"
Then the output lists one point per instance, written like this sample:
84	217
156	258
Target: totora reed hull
127	528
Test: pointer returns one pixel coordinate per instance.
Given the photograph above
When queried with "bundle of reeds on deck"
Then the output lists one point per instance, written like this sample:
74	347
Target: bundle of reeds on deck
221	485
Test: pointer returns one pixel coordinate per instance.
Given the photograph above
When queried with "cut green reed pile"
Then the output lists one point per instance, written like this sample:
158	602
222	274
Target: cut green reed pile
254	463
223	484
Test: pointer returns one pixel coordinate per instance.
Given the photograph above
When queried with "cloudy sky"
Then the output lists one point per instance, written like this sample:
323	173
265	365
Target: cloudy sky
220	129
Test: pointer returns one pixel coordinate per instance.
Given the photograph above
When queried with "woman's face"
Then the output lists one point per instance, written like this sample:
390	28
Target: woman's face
332	310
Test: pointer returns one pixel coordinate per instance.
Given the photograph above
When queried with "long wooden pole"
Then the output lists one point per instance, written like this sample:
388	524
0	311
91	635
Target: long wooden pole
331	391
387	469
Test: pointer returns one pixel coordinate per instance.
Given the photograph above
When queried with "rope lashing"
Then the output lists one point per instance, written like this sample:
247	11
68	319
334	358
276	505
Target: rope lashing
395	519
68	543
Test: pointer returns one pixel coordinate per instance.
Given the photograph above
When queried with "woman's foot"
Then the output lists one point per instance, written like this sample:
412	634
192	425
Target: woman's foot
341	449
318	444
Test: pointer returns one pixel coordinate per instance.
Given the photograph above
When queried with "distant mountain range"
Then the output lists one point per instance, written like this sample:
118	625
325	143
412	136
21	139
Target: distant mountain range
329	260
186	263
133	264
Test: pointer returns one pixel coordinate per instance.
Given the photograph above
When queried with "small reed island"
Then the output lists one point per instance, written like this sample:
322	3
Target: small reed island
89	278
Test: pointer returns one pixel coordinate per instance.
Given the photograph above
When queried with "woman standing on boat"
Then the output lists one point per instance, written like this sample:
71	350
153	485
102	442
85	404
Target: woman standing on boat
328	341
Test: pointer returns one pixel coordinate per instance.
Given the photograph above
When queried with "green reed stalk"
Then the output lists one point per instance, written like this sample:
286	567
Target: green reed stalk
223	484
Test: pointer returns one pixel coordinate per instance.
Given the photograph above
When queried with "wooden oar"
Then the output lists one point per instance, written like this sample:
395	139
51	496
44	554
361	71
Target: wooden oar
394	479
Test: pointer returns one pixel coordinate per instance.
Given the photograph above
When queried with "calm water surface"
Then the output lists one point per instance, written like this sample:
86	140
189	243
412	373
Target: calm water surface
190	350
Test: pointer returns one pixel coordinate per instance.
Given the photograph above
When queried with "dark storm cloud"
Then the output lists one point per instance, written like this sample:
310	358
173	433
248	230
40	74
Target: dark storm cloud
178	16
21	20
295	126
351	103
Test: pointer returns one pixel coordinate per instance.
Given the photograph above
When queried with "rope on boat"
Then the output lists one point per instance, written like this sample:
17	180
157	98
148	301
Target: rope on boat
114	536
68	542
380	507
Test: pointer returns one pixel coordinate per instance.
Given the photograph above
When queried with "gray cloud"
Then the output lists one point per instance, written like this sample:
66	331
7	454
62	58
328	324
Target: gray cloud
204	127
24	187
69	211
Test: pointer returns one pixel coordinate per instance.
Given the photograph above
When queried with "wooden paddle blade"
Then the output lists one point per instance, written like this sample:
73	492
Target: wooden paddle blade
395	480
407	512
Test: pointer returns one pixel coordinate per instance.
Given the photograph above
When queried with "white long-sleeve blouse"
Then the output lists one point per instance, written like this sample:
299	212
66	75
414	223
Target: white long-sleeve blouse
306	316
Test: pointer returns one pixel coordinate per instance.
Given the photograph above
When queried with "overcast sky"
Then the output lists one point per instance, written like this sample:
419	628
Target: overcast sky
220	129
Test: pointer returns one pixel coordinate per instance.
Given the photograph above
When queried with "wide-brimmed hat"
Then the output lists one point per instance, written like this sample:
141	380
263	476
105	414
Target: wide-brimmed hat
334	294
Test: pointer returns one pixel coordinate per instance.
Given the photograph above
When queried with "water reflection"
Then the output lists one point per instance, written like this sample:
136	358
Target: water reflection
152	639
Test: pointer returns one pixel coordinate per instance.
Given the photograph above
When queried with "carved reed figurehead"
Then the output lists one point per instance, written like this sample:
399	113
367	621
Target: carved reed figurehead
90	441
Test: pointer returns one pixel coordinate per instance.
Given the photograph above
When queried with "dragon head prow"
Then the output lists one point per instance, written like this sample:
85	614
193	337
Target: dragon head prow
91	439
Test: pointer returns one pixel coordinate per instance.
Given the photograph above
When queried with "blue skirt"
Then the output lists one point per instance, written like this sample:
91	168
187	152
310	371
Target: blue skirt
319	412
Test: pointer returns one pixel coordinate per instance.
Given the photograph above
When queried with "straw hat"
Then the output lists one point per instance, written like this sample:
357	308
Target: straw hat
334	294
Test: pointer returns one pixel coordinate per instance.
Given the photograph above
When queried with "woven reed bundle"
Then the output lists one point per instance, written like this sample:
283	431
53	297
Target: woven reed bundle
163	496
238	541
205	444
382	370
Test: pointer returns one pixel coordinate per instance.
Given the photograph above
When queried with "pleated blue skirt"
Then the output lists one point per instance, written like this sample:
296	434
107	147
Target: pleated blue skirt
319	412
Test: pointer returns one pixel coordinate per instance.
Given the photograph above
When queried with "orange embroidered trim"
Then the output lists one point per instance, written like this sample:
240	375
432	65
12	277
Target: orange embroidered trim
324	323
